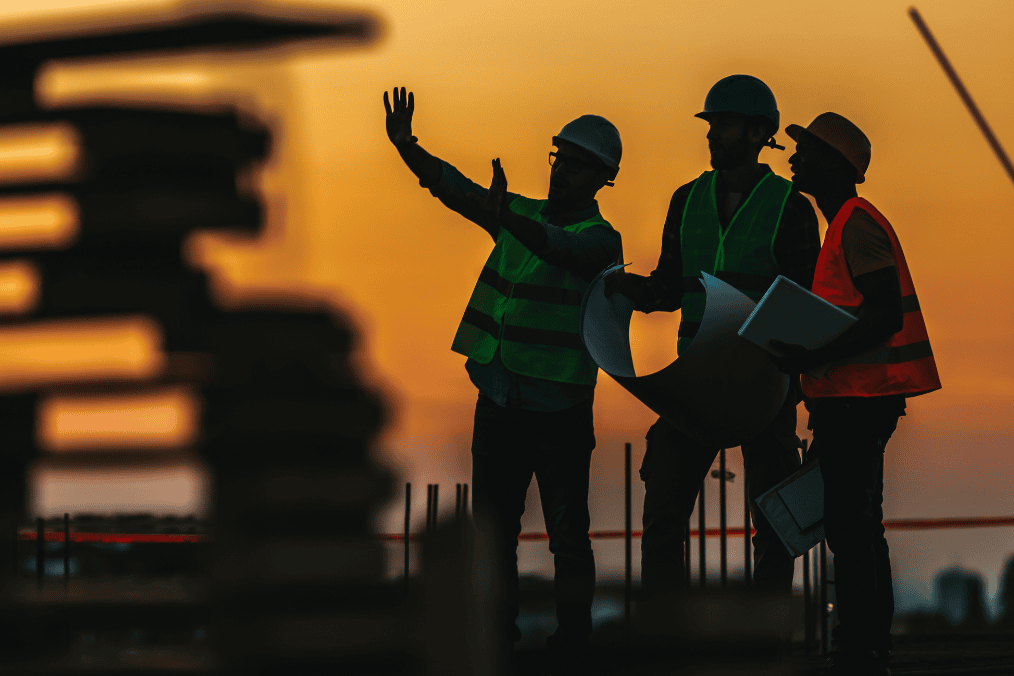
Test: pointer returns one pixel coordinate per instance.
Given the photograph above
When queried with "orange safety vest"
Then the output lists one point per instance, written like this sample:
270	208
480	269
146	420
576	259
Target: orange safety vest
902	365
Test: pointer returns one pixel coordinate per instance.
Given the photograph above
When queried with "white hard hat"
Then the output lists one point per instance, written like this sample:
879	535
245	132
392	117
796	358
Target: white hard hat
595	134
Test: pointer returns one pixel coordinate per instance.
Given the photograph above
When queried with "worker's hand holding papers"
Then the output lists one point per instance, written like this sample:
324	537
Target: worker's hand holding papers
790	314
721	391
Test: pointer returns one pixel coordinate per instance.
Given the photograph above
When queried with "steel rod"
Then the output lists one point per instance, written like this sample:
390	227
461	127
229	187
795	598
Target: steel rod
807	609
66	550
700	537
464	500
824	614
429	506
722	537
627	541
966	98
436	503
686	554
747	549
40	551
457	501
408	526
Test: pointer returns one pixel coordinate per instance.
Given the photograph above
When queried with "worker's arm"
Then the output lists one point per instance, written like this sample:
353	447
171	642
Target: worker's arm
880	317
442	180
585	253
663	288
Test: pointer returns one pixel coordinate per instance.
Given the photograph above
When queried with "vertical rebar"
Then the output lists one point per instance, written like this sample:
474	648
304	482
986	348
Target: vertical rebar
807	609
14	545
700	537
40	551
686	554
436	503
825	639
464	500
628	551
723	544
429	506
408	525
457	502
747	528
66	550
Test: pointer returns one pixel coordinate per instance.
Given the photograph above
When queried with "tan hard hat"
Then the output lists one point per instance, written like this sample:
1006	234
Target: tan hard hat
842	135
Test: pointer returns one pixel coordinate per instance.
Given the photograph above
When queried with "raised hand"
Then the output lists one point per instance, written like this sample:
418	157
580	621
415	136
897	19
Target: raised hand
399	117
493	206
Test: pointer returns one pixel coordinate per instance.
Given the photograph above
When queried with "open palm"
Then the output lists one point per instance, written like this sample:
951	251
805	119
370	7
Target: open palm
399	117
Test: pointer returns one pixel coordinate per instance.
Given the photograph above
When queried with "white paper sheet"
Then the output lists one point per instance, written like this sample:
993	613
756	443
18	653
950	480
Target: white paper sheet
721	392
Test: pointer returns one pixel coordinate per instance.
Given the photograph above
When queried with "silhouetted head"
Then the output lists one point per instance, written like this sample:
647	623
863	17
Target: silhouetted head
587	158
832	155
743	118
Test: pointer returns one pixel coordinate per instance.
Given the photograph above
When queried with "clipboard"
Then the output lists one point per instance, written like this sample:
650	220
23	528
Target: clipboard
795	508
791	314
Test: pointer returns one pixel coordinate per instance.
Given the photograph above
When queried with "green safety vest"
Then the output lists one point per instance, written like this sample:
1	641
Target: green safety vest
529	308
742	255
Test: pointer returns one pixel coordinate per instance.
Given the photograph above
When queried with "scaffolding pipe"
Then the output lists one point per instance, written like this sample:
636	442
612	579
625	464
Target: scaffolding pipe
966	98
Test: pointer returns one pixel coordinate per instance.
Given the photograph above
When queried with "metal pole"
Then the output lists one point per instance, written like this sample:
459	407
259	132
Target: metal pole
429	506
686	554
40	551
723	544
747	549
457	502
807	610
66	550
408	525
952	75
700	537
464	500
824	638
628	556
436	502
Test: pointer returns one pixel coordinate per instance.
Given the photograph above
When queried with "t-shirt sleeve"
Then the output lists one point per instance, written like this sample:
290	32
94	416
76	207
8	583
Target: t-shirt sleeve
866	246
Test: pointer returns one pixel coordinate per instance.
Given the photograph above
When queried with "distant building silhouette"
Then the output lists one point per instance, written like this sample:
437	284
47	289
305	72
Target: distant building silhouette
1006	594
959	598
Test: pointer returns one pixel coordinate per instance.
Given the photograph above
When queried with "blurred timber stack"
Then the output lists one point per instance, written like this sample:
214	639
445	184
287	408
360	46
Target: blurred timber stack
295	582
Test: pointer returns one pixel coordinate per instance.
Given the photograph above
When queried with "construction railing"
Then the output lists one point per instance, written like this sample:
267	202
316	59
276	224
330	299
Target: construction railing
818	612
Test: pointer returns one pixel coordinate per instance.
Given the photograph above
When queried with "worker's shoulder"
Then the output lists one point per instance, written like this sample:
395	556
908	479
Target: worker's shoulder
861	225
683	192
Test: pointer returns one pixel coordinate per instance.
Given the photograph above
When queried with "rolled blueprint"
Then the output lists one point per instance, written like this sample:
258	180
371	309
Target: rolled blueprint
721	391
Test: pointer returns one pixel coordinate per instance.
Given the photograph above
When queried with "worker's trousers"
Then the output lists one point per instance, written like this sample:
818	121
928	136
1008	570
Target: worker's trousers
509	445
849	437
673	470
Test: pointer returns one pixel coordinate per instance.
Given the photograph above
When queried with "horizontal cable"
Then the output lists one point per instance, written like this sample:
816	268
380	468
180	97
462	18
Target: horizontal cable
893	524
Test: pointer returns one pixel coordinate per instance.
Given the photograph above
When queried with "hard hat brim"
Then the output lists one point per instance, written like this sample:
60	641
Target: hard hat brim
609	162
795	132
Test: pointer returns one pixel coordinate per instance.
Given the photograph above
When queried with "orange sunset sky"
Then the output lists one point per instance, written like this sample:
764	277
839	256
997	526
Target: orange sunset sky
347	221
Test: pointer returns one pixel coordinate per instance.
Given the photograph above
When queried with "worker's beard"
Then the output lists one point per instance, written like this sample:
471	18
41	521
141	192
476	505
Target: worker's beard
732	155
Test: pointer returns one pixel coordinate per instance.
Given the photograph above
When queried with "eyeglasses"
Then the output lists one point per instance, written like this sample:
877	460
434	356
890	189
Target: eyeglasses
573	165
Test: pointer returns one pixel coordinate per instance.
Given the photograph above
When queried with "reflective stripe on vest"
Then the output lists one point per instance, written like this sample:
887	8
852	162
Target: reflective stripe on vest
902	365
742	255
529	308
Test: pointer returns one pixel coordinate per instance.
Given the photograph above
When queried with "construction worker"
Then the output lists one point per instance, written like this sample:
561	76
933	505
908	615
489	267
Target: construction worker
535	378
881	360
745	225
